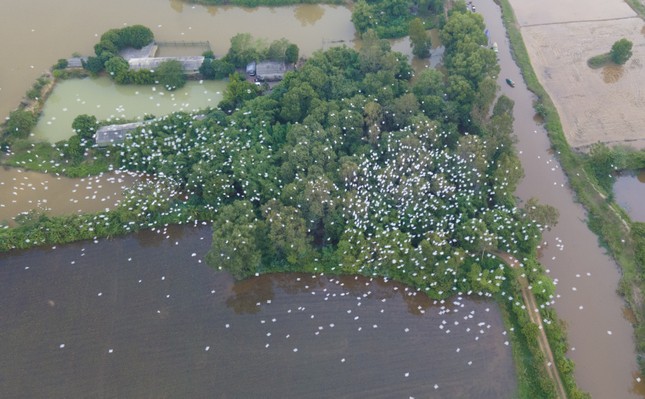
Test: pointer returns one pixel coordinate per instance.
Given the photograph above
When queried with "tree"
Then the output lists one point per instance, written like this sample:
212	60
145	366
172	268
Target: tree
375	54
419	38
20	123
216	69
363	16
287	234
238	91
171	74
94	65
235	240
85	126
545	215
277	50
244	49
621	51
291	54
118	69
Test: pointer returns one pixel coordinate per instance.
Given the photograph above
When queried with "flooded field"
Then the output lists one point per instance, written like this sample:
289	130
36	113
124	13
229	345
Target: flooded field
106	100
50	31
629	191
21	191
143	316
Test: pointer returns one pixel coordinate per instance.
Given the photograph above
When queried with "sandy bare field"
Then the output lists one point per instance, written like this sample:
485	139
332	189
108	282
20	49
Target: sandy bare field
603	105
607	104
534	12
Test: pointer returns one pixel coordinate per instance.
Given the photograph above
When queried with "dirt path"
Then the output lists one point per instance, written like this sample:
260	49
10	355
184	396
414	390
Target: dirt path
534	314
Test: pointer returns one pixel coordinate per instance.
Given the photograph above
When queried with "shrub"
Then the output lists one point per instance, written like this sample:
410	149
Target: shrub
621	51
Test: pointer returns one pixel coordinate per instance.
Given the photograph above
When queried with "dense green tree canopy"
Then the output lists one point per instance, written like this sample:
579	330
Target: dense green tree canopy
20	123
621	51
419	38
171	74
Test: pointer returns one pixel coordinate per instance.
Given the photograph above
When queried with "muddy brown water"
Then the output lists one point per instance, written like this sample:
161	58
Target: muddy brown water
22	191
600	338
629	191
143	316
48	31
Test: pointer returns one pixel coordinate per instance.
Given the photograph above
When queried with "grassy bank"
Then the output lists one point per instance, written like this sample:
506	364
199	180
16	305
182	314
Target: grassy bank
611	226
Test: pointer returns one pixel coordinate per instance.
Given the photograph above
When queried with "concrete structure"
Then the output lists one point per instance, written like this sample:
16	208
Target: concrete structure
189	64
270	71
76	62
114	134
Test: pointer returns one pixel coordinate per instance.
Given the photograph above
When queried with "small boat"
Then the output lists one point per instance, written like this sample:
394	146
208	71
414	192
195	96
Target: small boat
510	82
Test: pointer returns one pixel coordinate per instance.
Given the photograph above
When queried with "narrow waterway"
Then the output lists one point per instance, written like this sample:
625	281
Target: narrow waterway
143	316
600	338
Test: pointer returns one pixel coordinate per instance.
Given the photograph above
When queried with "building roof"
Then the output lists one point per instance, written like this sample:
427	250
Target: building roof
270	68
112	134
189	64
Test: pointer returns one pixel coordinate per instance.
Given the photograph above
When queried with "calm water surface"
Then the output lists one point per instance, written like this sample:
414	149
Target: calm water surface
22	191
629	190
106	100
143	316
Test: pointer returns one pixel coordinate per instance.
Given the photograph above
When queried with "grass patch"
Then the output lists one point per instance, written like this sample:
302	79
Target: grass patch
637	6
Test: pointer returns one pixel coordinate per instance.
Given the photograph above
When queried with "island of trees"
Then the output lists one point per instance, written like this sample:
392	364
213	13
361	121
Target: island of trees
351	165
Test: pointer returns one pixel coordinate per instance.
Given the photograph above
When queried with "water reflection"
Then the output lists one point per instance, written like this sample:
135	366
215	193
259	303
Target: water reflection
308	14
612	73
629	192
177	5
142	316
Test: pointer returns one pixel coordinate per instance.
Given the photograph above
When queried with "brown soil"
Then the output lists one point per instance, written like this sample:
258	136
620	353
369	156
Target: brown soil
602	105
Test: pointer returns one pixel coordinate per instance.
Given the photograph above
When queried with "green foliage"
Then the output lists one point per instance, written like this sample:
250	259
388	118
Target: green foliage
118	68
85	126
544	215
419	38
621	51
216	69
20	123
599	61
171	75
291	54
94	65
237	92
244	49
135	36
37	87
61	64
388	18
604	163
235	245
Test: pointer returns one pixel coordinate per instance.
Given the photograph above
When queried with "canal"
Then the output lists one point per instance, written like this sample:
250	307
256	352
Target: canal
601	339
